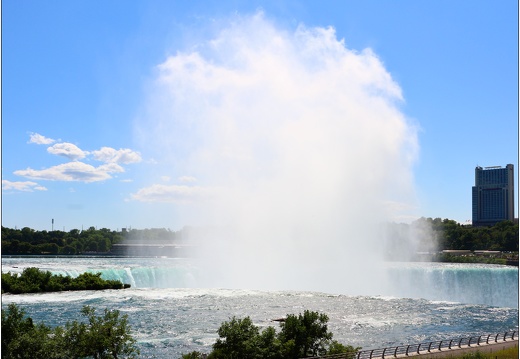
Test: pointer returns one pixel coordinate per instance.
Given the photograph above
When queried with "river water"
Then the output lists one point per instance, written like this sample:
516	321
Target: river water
172	311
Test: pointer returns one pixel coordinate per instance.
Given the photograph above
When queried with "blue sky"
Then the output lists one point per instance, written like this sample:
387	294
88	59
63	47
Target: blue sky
140	113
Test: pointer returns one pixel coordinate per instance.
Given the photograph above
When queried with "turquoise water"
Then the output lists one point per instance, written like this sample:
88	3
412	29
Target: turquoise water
171	312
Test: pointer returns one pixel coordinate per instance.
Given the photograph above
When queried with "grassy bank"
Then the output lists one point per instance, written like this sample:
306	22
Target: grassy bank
509	353
449	258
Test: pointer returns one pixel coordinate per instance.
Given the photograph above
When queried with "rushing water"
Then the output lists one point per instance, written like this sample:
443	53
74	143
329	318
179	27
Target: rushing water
170	312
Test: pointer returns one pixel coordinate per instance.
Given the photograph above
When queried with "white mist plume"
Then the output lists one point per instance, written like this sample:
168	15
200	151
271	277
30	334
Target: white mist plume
299	142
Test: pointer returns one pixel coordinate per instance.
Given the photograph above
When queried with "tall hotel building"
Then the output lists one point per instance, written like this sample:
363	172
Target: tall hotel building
493	195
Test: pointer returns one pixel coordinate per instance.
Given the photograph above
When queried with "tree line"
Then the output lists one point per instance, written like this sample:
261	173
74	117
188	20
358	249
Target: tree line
30	241
436	234
27	241
422	235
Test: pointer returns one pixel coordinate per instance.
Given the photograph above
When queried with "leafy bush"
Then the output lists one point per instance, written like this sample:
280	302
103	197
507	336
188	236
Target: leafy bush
309	333
106	336
238	338
194	355
32	280
300	336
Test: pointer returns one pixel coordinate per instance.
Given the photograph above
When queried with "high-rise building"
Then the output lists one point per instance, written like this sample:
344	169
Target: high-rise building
493	195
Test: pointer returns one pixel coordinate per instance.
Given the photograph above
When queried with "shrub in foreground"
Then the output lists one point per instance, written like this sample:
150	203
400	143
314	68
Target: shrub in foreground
300	336
102	337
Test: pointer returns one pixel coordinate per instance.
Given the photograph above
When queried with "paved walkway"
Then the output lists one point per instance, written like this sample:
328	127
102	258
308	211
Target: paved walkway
483	348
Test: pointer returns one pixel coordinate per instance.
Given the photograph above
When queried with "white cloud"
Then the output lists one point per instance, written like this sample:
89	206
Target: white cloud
111	167
171	193
40	140
72	171
111	155
75	170
68	150
26	186
187	179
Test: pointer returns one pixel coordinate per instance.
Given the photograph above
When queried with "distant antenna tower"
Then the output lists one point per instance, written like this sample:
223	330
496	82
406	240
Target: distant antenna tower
52	224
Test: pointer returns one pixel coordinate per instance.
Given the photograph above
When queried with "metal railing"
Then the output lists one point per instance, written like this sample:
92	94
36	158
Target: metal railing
428	347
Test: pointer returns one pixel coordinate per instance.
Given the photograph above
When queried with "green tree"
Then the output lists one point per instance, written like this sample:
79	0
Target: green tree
269	344
27	234
22	339
308	332
103	337
68	250
300	336
92	245
74	233
237	340
193	355
103	244
14	325
337	348
32	280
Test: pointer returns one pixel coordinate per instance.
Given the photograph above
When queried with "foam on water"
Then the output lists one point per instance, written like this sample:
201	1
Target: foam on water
466	283
169	321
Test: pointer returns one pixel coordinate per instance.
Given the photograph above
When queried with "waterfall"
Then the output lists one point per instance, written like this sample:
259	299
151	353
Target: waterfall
492	285
466	283
151	277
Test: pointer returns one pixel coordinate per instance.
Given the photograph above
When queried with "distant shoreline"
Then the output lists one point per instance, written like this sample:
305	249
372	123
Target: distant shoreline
454	259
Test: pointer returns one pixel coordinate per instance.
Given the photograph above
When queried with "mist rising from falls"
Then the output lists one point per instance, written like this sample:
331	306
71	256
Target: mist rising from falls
290	143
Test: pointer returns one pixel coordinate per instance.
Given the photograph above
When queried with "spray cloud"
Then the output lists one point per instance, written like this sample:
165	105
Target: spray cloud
298	148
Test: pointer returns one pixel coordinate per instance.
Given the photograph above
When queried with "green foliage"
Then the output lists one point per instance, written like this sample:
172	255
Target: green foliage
300	336
338	348
14	327
32	280
237	339
428	235
449	258
193	355
103	337
28	241
477	355
509	353
309	333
